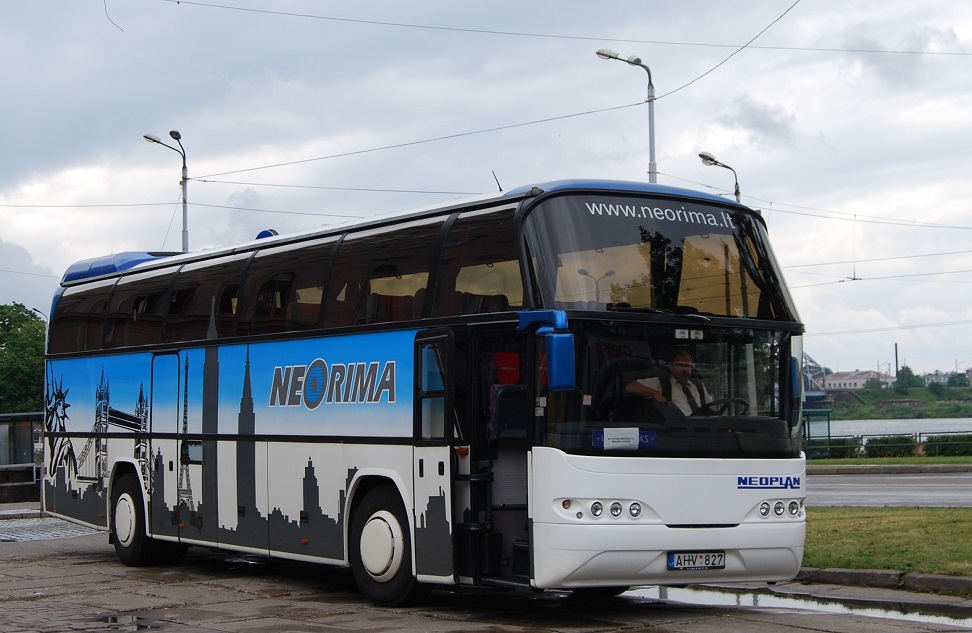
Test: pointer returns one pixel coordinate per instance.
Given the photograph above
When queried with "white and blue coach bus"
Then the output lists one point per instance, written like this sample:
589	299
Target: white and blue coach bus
443	396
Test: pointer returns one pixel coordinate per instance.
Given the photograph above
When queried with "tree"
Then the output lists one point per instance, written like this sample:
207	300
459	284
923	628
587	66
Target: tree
873	383
907	378
21	359
938	389
958	380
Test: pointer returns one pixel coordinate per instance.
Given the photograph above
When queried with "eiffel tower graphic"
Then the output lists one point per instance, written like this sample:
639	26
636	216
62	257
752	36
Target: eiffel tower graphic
185	487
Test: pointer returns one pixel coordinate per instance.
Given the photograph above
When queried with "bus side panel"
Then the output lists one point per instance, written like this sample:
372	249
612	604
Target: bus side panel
86	398
291	406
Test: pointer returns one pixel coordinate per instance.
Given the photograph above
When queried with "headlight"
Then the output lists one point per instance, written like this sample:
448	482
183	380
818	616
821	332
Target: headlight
597	509
615	509
794	508
779	508
635	509
764	509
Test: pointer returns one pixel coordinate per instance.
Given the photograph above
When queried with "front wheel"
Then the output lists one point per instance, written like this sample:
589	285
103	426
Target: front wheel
381	550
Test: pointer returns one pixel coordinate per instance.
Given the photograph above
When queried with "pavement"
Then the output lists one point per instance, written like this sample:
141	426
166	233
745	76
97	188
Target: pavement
887	590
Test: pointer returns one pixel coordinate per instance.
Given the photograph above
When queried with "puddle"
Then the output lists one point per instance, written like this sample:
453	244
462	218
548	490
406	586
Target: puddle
128	623
717	598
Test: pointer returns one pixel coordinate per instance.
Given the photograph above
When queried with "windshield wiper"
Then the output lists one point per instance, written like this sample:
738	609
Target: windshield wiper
680	311
626	307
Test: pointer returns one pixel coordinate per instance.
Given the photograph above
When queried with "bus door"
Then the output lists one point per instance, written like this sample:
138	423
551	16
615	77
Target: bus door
433	457
164	459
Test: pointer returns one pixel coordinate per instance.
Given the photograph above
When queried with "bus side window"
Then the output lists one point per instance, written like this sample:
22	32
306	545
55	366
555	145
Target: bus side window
265	295
381	276
345	284
310	273
136	312
202	293
479	269
78	320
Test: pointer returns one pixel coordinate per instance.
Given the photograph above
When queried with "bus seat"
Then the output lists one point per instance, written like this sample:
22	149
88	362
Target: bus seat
418	303
380	308
470	303
509	411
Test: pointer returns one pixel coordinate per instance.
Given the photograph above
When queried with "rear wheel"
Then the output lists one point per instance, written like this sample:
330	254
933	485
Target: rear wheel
132	546
381	550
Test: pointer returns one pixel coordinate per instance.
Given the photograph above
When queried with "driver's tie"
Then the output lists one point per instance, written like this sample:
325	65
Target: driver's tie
688	396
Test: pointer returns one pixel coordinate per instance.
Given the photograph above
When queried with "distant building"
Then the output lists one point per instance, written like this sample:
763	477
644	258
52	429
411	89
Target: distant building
936	376
944	376
853	380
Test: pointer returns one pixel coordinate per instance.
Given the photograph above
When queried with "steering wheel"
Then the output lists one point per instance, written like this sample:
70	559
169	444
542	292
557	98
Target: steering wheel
721	407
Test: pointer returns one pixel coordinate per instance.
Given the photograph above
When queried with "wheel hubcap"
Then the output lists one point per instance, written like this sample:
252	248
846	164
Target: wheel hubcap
382	546
125	520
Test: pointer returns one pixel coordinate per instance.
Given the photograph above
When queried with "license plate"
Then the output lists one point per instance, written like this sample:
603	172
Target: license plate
686	561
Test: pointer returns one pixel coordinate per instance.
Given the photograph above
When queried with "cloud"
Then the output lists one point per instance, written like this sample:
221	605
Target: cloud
764	126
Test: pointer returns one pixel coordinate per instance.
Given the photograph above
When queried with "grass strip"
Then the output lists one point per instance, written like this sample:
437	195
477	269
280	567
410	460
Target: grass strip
924	540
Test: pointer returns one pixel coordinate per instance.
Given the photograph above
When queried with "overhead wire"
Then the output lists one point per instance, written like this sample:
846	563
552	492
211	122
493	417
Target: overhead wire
583	38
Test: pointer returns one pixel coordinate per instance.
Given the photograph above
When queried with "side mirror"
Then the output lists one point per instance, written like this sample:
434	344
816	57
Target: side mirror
552	326
560	361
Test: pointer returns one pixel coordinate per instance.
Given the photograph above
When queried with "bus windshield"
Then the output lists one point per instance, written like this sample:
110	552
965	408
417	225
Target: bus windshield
648	389
622	252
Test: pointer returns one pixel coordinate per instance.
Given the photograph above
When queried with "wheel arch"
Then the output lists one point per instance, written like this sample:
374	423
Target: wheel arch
364	483
118	470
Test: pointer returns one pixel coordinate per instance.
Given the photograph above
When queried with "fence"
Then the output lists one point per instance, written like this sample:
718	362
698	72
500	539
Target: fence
21	456
896	445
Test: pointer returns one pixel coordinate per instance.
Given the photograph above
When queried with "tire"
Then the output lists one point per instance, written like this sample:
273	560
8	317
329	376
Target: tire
380	550
132	546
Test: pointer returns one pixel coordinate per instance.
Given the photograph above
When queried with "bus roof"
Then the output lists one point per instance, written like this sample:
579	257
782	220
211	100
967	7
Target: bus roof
113	264
109	265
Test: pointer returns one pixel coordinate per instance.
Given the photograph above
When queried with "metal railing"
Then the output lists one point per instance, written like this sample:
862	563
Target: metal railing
932	444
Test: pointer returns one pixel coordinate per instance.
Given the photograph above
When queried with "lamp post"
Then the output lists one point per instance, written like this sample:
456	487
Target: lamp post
151	138
606	53
597	281
710	160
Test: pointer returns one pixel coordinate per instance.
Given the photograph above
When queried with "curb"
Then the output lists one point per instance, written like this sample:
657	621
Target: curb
20	513
887	579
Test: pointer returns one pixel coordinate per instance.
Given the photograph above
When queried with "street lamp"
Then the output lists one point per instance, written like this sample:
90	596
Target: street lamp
606	53
151	138
710	160
597	281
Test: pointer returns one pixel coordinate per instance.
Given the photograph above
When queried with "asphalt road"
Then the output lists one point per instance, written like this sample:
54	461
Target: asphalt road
939	490
76	584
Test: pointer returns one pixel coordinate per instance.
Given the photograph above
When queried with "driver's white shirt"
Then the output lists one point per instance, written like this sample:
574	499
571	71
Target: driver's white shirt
678	395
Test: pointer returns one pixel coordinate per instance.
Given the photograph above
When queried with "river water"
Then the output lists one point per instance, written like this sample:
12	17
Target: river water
931	426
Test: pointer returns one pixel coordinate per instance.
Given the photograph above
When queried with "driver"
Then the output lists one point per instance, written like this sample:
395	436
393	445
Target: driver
684	391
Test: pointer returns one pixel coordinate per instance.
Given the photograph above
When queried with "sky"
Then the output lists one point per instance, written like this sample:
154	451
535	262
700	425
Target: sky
846	123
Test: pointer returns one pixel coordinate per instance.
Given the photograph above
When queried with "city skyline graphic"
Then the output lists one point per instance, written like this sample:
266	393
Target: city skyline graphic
193	512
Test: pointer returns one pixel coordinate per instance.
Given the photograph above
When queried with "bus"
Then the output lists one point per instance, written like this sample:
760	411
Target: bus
441	396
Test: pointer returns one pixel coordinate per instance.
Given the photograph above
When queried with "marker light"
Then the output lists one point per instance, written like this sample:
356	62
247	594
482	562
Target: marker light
566	504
